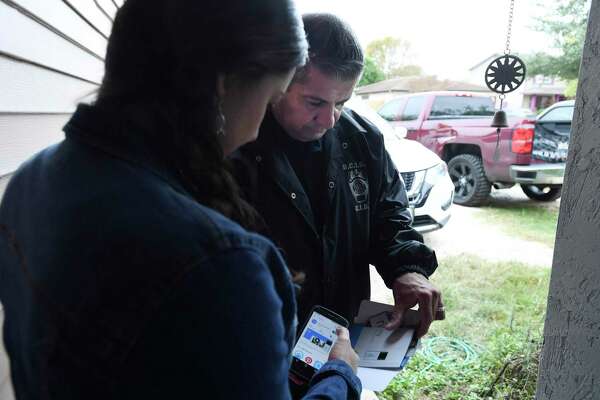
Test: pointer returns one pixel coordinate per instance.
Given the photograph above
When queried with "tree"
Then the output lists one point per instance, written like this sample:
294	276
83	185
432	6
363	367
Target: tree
389	53
566	22
406	70
571	89
372	73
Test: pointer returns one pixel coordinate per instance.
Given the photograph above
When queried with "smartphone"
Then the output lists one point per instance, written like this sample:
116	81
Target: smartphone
316	339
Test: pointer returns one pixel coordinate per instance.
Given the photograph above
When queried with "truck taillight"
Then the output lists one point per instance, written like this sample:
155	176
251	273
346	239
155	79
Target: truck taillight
522	140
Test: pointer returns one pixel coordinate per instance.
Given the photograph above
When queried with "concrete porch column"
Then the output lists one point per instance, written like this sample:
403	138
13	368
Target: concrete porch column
570	363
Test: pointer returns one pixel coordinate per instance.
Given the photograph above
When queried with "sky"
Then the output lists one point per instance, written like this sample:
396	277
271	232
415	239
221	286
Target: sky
447	37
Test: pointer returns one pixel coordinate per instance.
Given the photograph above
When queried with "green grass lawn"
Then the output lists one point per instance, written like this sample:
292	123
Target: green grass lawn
527	222
488	346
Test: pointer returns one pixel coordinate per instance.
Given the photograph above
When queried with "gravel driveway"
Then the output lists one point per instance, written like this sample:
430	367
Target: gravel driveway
466	233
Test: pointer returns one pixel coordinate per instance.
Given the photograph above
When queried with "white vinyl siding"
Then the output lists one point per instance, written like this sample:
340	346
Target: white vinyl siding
30	89
26	39
60	17
108	7
91	13
51	58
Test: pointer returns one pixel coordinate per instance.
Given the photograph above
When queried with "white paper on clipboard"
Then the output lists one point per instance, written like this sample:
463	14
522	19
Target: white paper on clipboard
376	371
380	348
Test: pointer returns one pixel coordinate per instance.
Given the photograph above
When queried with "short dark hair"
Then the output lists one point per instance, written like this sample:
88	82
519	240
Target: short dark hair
333	47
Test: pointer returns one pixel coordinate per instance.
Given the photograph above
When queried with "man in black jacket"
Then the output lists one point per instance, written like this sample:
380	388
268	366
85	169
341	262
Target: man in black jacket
328	191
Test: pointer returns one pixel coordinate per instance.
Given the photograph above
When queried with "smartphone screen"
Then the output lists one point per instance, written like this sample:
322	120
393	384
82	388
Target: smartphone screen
315	343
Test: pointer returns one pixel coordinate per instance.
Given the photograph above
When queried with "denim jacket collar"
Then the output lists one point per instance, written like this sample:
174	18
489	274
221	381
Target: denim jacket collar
121	135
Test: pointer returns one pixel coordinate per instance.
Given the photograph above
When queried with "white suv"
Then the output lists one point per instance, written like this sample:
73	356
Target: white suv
428	185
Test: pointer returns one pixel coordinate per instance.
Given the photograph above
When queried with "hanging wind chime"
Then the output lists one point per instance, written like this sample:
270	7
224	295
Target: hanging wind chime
504	75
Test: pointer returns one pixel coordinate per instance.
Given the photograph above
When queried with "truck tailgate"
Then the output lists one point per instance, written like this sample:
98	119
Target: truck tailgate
551	141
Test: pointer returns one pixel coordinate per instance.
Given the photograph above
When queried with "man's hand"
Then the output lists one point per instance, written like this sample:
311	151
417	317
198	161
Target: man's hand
409	290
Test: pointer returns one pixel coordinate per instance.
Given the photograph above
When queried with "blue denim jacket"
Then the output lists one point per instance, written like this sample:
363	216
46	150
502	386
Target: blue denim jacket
117	284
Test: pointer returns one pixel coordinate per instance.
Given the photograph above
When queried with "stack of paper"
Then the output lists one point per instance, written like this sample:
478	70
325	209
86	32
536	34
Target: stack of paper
382	353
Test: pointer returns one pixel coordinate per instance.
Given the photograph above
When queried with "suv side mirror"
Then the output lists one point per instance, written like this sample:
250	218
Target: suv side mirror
400	132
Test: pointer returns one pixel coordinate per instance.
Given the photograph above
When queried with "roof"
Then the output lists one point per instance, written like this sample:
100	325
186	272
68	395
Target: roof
540	90
389	85
449	93
485	61
410	84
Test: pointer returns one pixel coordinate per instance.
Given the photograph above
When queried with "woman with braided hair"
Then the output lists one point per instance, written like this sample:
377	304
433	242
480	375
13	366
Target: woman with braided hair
126	270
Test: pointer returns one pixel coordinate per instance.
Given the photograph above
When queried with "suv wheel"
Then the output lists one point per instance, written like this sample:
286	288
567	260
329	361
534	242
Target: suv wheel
541	192
471	187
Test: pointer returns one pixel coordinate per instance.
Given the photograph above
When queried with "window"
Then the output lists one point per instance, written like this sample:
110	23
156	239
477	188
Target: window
461	106
559	114
413	108
391	110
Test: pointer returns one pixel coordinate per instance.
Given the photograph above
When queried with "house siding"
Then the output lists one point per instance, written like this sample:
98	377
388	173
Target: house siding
51	58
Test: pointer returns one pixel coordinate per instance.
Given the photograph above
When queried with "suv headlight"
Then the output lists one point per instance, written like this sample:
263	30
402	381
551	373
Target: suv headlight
431	177
434	174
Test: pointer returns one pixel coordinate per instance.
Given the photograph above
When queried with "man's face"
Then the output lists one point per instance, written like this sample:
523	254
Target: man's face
312	105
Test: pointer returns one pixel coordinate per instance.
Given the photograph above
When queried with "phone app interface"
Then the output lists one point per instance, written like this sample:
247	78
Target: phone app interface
316	341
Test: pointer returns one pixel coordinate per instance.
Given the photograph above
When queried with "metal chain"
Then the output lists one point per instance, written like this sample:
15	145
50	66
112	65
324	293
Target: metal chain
509	30
506	53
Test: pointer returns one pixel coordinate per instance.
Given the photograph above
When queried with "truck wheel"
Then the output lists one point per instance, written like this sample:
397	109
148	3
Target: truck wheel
471	187
541	192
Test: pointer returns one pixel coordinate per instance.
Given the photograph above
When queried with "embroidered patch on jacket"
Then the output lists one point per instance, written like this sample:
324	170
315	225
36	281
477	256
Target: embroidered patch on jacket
359	184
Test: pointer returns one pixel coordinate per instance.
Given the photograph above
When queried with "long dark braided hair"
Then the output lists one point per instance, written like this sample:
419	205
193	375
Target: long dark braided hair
163	60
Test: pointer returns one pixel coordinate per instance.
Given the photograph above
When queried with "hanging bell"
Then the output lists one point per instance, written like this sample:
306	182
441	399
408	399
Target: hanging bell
499	120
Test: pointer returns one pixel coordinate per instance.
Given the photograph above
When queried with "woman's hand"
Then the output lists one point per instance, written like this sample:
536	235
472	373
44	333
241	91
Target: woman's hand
342	349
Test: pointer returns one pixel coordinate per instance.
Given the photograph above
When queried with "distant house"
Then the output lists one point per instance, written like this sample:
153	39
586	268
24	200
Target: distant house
51	57
535	93
378	93
542	91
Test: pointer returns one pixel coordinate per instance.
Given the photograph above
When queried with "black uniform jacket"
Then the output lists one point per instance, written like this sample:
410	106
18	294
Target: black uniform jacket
365	215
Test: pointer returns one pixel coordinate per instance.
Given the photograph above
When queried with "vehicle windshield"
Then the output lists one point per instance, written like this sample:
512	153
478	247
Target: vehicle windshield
562	113
446	107
524	113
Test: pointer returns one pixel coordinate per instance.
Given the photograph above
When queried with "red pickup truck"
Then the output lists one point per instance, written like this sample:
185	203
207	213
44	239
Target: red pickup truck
456	126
